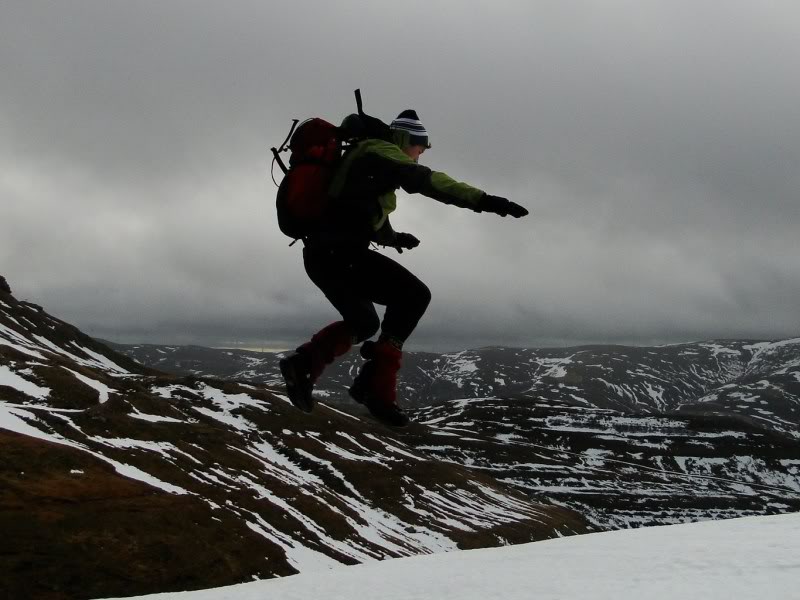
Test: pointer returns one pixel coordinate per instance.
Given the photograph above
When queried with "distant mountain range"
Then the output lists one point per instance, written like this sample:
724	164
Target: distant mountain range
112	467
754	380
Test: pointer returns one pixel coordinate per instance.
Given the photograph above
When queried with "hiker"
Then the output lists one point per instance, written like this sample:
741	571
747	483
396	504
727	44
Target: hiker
353	277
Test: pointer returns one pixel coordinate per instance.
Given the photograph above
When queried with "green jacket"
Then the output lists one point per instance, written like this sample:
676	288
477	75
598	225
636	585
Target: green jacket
363	192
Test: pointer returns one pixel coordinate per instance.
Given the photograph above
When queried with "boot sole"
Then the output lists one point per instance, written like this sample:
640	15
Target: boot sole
362	399
293	390
358	394
392	424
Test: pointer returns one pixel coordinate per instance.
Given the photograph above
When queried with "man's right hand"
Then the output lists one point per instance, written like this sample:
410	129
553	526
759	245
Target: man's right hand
501	206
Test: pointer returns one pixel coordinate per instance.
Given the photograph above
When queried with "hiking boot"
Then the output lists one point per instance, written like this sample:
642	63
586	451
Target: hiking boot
302	369
391	415
296	371
376	383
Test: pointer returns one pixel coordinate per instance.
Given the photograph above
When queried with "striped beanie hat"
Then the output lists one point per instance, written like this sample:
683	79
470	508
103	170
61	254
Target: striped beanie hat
408	128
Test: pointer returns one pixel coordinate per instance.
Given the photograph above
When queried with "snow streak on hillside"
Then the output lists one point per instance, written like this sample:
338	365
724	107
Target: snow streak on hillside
740	559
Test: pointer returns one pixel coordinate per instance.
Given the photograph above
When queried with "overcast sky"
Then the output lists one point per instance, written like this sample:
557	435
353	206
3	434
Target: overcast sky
656	144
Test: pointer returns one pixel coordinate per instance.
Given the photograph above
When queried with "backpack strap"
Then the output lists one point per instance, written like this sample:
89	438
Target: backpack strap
277	158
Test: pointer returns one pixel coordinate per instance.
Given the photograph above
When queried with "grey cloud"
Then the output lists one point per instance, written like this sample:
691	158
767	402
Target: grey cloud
656	143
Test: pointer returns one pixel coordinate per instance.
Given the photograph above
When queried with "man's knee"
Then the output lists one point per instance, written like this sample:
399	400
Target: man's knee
366	328
425	296
421	297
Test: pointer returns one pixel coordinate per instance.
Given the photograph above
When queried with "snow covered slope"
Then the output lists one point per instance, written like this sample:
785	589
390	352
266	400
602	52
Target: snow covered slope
739	559
621	470
110	471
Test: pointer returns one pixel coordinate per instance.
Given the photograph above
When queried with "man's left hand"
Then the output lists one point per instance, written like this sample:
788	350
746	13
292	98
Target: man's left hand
405	241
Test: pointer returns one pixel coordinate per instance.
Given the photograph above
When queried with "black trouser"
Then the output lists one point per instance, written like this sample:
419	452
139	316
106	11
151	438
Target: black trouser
355	278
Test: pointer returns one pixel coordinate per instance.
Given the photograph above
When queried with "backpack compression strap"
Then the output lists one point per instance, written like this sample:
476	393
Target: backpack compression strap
276	151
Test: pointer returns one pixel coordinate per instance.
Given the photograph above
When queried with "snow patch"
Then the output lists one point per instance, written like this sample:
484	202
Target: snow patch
11	379
102	389
746	559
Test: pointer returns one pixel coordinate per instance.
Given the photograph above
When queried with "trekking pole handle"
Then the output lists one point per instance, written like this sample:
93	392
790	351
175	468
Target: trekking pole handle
359	104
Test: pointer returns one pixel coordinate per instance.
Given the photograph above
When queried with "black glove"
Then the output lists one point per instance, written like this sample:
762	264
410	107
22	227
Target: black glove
501	206
405	241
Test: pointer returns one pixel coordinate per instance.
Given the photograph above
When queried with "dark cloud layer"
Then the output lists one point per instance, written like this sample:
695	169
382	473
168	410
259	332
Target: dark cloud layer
656	144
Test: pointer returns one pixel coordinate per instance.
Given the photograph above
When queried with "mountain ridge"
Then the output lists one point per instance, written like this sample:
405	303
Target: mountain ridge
698	377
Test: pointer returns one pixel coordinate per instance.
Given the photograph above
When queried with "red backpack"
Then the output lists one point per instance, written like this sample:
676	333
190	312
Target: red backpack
303	199
316	148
